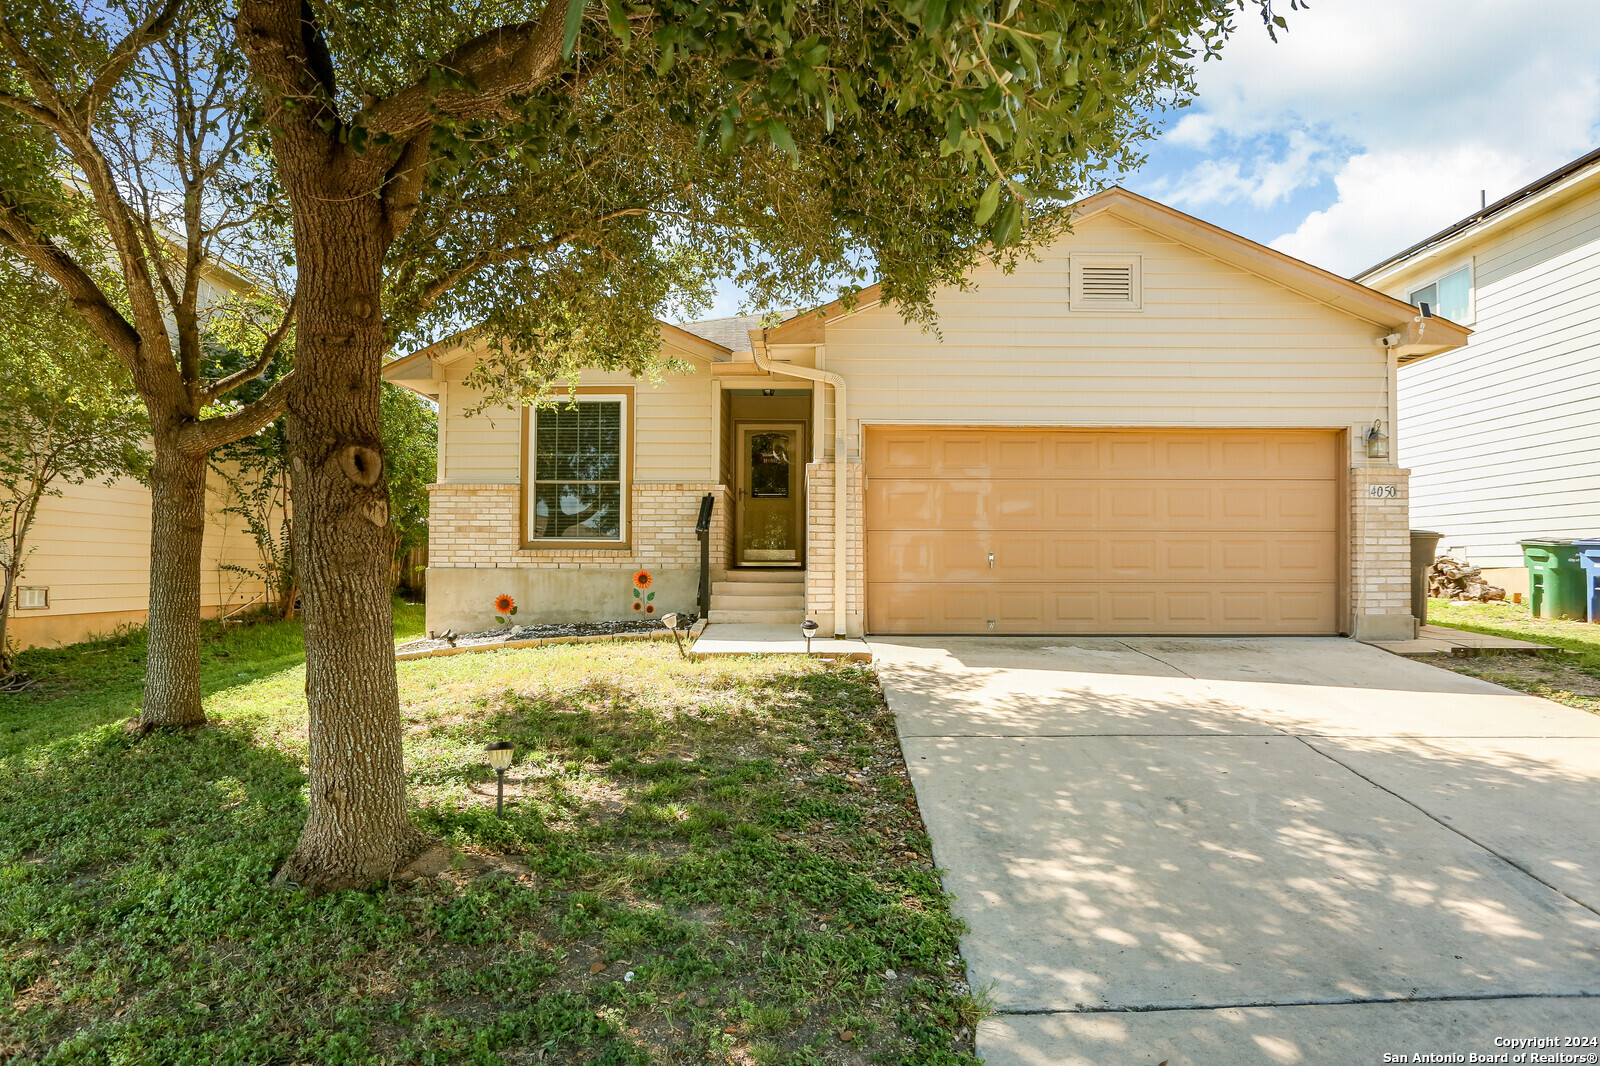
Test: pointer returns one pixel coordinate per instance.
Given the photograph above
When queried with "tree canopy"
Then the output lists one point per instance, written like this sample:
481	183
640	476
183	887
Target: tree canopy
802	150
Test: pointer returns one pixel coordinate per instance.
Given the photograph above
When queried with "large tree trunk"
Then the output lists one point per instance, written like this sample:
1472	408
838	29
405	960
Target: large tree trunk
358	831
177	534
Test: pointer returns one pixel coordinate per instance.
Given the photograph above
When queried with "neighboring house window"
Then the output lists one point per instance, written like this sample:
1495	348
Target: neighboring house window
577	474
1104	283
35	598
1449	297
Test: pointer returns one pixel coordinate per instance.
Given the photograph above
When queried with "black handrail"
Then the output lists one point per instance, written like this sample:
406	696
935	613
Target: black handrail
702	529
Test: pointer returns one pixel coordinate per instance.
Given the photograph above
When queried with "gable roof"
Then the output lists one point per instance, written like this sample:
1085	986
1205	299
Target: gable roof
1420	338
732	332
418	365
1521	198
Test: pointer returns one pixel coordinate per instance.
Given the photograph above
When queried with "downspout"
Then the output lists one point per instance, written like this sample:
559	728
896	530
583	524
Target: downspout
841	555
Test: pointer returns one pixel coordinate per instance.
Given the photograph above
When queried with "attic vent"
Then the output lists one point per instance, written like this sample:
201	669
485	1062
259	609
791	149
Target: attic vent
1105	283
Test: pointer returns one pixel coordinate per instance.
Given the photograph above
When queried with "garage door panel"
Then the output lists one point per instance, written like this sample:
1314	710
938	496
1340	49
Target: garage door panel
1076	503
1106	454
1085	608
1101	531
918	555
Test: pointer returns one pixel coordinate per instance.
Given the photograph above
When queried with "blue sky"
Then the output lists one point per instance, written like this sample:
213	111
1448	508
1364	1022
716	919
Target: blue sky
1373	123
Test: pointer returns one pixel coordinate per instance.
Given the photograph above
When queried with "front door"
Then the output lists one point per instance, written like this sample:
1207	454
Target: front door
770	515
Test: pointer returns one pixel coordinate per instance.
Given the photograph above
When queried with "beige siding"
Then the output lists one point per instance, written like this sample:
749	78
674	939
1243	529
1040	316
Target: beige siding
671	424
92	551
1214	346
1501	435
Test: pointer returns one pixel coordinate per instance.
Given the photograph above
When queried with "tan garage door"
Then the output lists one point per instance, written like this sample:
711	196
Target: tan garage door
1101	531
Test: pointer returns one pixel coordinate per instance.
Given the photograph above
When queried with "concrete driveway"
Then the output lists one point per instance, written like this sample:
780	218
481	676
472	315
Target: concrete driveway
1255	851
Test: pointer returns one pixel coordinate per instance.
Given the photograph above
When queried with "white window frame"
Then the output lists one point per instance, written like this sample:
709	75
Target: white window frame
44	590
1470	266
1078	302
530	483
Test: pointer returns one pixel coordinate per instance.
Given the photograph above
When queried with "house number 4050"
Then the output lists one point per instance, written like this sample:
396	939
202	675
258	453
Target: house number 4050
1382	492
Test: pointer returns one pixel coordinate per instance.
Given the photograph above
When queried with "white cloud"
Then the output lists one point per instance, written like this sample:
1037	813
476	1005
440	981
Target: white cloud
1263	180
1411	106
1388	200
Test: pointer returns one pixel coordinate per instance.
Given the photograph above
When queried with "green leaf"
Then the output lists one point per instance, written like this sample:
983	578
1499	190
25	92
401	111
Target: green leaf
933	17
988	202
781	139
617	19
569	32
651	596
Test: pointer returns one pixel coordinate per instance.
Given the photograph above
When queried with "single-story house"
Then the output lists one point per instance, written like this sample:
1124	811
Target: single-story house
1155	426
1504	434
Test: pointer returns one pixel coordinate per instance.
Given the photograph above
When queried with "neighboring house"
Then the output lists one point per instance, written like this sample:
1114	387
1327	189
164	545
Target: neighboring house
88	572
1503	436
1154	427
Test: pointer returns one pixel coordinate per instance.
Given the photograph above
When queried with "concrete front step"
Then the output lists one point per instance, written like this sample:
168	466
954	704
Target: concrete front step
754	601
718	615
785	576
757	588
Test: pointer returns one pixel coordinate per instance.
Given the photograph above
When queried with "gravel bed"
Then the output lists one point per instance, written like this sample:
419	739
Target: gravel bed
510	633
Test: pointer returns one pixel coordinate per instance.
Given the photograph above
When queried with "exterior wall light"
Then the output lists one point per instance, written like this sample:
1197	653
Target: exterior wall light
1377	440
499	755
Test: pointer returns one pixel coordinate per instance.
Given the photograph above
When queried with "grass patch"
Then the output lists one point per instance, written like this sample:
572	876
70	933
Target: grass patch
1570	676
701	861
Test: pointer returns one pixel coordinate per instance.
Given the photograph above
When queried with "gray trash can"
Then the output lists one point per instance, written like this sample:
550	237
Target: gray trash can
1424	548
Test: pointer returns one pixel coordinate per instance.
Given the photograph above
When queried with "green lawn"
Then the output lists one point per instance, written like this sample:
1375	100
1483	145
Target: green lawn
702	861
1571	676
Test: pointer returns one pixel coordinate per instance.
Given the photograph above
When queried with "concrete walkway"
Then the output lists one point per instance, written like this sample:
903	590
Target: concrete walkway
1442	640
736	638
1232	852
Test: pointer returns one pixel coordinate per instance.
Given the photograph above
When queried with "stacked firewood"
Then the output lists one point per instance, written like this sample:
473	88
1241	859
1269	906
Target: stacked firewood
1449	579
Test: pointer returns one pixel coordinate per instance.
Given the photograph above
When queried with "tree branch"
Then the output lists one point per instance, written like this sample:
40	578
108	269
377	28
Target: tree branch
38	112
157	26
212	433
269	350
448	279
501	62
402	186
90	301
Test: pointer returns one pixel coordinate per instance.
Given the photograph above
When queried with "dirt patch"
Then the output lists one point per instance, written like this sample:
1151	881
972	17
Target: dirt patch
510	633
1555	677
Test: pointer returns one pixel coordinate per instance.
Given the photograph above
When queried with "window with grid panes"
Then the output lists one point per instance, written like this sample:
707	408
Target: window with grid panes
578	471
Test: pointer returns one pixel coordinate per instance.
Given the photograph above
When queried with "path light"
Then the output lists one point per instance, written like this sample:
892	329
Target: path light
808	629
671	622
499	756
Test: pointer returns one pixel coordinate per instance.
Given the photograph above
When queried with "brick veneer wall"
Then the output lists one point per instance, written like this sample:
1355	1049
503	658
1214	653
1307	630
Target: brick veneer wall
476	526
819	547
1380	553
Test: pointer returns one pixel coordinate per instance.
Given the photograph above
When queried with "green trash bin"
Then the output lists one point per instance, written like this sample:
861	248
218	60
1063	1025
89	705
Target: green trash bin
1555	579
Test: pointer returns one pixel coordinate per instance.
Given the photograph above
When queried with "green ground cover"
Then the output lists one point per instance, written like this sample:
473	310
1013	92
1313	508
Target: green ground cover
701	861
1570	676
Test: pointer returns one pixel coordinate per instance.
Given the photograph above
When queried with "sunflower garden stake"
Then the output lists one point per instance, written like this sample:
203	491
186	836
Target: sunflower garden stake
504	608
642	597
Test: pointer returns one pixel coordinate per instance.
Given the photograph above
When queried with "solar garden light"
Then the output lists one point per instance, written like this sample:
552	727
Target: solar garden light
808	629
499	756
671	622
